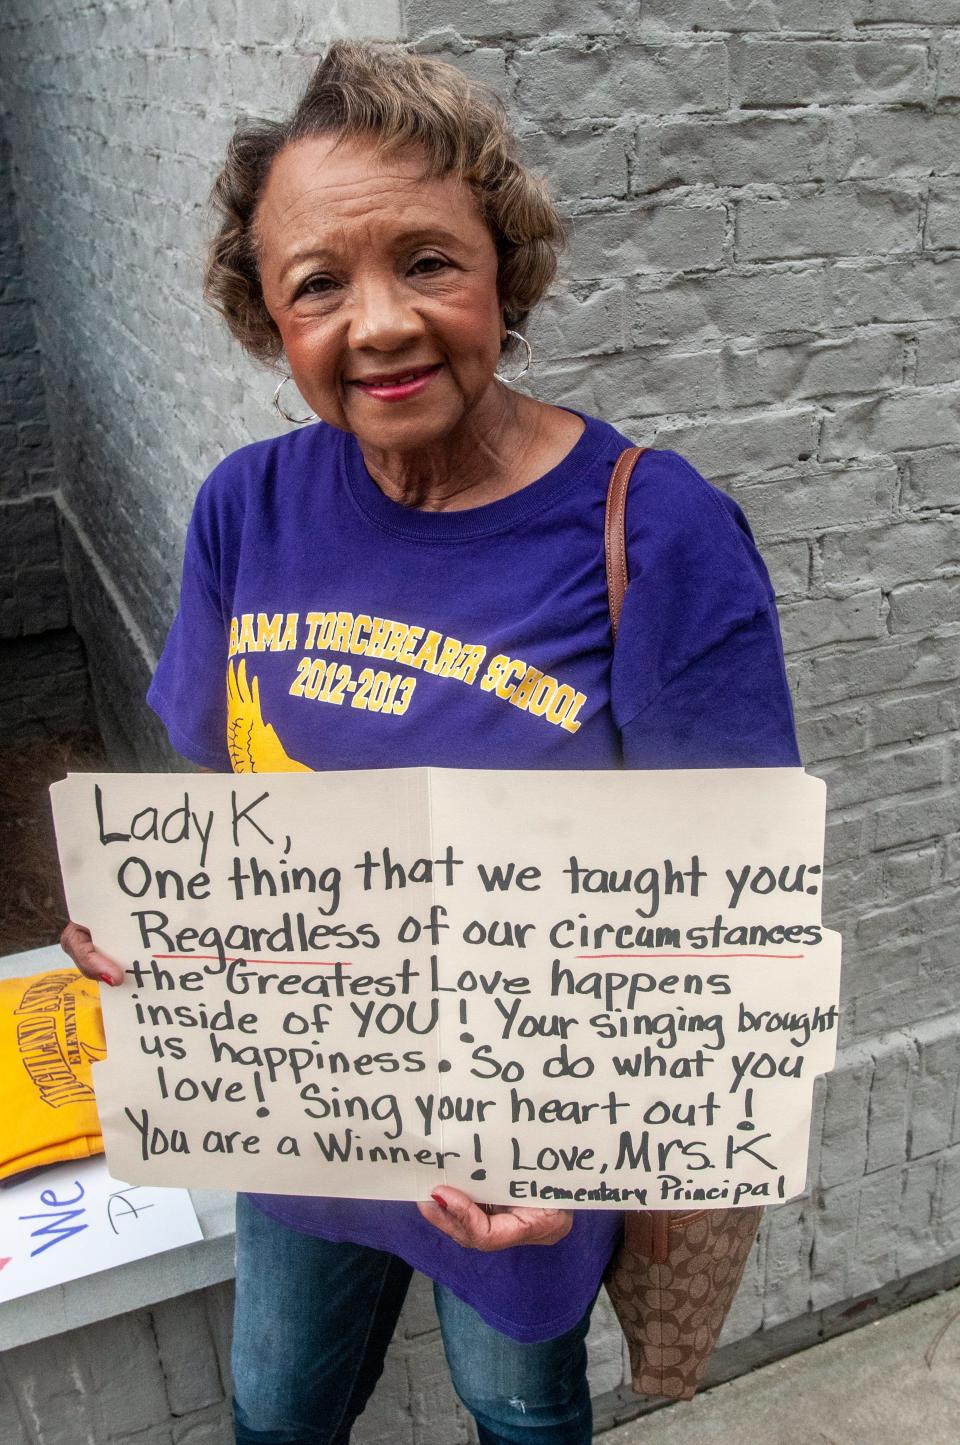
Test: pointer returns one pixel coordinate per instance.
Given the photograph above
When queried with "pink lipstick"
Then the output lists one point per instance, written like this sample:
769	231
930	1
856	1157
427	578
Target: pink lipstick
398	387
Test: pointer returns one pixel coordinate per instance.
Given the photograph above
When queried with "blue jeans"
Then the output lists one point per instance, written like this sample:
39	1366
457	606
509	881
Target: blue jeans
312	1325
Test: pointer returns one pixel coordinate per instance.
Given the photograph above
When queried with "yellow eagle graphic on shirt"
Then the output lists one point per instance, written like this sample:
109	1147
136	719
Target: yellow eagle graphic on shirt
253	744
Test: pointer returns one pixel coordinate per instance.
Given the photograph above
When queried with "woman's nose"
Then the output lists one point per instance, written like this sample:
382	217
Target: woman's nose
383	318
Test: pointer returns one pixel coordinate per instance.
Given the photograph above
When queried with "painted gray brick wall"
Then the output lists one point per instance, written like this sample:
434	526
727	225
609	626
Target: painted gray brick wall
764	273
26	458
45	687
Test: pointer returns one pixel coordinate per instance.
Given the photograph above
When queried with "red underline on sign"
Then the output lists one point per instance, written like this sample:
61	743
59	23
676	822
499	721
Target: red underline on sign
242	958
703	953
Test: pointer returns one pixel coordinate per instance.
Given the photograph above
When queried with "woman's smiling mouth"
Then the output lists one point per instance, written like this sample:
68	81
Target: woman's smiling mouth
400	385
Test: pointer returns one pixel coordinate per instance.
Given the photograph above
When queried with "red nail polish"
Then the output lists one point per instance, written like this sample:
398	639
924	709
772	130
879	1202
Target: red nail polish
105	978
439	1199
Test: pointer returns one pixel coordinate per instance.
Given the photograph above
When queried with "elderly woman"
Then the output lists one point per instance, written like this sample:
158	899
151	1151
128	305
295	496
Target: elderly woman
437	539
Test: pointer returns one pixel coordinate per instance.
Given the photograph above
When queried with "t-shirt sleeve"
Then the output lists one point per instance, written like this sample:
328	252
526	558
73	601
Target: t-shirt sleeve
189	690
698	676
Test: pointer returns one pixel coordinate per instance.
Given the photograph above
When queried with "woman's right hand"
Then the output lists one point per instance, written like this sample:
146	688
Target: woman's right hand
79	947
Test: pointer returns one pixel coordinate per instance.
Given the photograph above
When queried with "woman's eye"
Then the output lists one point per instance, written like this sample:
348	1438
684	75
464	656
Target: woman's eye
426	265
317	285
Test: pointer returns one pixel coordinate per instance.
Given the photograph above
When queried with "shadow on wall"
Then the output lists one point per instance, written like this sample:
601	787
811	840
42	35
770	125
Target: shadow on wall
46	713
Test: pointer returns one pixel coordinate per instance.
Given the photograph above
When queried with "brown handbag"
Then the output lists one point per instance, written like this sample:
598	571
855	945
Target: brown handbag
674	1277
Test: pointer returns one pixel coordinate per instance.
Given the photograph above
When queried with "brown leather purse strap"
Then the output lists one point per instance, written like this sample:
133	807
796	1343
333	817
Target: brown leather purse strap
615	532
646	1232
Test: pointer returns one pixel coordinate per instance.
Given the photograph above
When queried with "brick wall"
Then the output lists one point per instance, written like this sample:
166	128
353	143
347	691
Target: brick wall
46	688
764	274
118	116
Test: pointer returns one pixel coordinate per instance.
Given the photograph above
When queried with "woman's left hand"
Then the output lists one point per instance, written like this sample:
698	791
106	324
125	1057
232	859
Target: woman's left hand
501	1228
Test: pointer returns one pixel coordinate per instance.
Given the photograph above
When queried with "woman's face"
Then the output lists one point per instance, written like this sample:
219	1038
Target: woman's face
383	285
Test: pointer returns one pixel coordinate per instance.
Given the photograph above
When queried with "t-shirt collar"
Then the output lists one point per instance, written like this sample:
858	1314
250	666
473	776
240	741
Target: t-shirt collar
590	449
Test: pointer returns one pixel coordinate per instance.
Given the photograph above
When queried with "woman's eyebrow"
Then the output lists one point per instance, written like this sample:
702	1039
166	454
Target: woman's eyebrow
308	253
428	233
417	235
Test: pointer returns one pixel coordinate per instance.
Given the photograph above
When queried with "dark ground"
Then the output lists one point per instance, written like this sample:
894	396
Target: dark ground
31	898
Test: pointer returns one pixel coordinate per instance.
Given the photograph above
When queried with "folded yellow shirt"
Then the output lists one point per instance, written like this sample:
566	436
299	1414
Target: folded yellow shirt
51	1031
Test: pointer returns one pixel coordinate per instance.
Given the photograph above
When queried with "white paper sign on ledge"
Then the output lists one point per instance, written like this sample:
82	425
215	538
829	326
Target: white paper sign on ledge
71	1220
597	989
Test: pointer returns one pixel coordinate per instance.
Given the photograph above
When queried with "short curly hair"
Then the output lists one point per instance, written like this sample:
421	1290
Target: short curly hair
400	98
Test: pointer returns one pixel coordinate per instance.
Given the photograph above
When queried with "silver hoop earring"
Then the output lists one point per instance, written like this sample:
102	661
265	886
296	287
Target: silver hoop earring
510	380
296	420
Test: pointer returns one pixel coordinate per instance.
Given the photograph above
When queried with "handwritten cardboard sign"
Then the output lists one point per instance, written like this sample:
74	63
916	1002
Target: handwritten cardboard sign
600	989
73	1220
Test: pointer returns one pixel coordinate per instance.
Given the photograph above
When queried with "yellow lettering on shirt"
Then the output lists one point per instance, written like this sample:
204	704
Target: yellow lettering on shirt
360	632
511	679
276	632
340	640
524	689
448	655
569	723
406	652
313	623
395	638
427	652
499	673
378	636
542	695
467	665
248	638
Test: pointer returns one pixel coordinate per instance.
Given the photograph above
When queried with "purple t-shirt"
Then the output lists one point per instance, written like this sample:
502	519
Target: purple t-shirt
324	625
